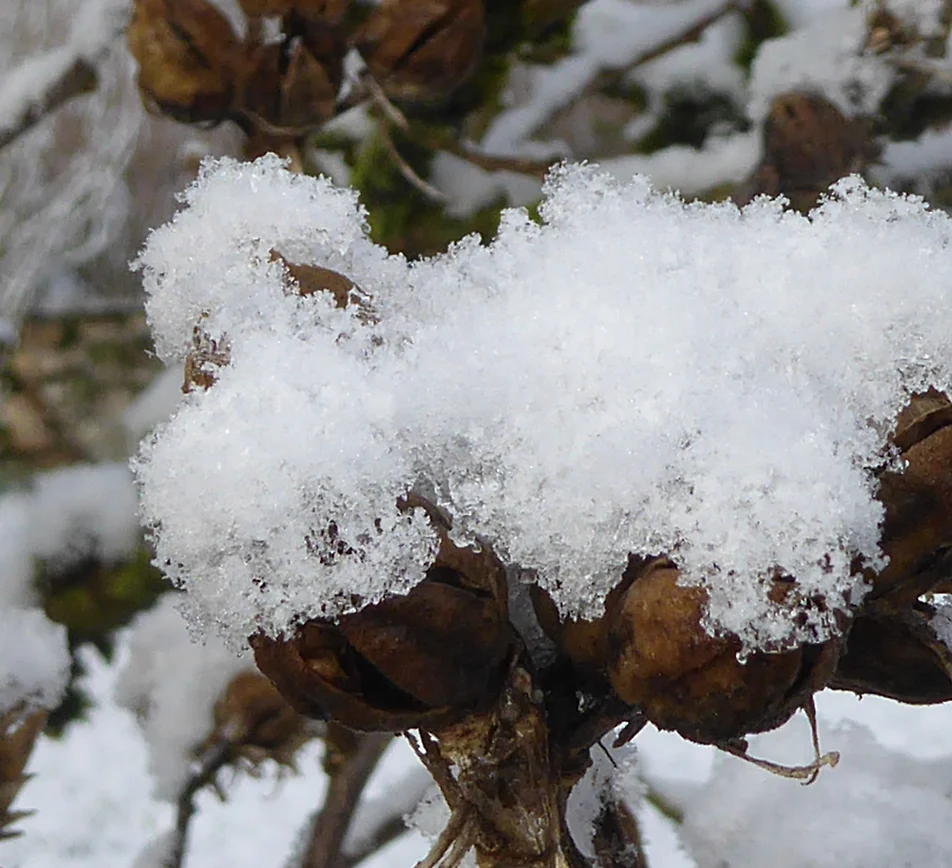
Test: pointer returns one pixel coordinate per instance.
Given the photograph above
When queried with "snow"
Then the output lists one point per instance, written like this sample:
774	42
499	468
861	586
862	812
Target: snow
86	510
607	35
878	809
824	56
93	805
172	683
34	660
611	381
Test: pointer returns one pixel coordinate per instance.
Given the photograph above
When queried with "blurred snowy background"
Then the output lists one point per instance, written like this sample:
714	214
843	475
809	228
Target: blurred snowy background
682	91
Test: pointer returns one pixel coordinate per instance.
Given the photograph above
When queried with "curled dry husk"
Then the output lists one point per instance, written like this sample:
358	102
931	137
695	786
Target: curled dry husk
419	659
421	51
808	145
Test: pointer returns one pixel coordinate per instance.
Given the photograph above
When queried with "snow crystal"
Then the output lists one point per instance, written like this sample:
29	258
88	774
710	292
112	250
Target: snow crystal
636	374
876	809
172	684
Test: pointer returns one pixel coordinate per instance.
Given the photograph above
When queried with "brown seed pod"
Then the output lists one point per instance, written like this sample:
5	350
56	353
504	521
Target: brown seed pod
420	659
666	664
917	527
420	51
899	655
187	55
808	145
256	719
291	87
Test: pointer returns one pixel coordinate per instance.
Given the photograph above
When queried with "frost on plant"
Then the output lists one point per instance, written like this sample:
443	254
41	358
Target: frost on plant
632	374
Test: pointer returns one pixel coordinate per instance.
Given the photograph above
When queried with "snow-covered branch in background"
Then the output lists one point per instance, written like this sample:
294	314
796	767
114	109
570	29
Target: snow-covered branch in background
43	82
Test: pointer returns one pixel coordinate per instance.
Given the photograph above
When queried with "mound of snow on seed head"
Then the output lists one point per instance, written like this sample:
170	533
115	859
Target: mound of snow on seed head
631	374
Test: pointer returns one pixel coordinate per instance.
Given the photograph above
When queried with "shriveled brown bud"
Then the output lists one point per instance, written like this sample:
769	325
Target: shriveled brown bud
665	663
897	654
187	56
420	51
420	659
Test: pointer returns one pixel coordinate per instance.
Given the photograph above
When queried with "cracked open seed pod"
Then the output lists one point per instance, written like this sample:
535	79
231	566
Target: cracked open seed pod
664	662
188	58
425	658
420	51
291	86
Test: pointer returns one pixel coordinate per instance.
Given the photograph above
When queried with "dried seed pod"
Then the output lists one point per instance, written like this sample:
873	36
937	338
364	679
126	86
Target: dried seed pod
665	663
420	51
420	659
292	86
256	719
187	55
899	655
808	145
917	527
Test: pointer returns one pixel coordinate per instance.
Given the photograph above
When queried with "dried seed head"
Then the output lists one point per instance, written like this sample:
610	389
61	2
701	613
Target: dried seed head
420	51
420	659
664	662
187	56
256	719
291	86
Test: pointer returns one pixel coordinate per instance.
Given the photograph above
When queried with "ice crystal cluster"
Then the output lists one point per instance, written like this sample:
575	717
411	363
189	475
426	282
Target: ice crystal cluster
631	373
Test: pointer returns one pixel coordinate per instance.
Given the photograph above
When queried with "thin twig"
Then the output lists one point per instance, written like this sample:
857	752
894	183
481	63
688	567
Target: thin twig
343	794
406	170
208	767
453	831
389	830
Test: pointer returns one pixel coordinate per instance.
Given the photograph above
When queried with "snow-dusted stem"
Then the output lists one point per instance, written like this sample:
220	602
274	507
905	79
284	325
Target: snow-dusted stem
506	791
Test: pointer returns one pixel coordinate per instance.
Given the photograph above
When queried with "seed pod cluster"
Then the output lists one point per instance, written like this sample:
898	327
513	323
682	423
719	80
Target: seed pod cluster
195	68
658	657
